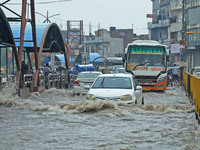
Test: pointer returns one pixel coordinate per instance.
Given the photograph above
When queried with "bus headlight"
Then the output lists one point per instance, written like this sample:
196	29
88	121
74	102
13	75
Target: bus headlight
90	97
126	98
161	78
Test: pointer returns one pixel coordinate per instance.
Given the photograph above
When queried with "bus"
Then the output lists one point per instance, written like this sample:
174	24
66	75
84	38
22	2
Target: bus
147	60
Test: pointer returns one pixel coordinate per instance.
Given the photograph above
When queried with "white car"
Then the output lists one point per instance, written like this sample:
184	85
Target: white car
196	71
120	70
116	87
84	78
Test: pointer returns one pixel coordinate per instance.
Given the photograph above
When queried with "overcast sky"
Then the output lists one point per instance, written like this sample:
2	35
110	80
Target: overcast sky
119	13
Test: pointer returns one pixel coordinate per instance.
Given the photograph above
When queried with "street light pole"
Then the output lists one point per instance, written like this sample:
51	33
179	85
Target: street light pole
183	40
47	17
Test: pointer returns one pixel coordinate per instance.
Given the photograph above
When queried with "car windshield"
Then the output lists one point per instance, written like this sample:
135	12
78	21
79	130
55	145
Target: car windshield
113	83
88	75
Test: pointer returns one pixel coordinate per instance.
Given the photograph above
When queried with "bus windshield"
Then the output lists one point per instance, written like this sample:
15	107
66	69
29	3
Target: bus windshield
154	56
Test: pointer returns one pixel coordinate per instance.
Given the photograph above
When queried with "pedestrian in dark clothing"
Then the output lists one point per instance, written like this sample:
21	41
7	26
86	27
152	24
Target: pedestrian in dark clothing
24	69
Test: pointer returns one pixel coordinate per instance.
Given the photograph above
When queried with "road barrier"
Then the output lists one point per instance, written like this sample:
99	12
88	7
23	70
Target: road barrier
55	81
192	86
28	82
51	81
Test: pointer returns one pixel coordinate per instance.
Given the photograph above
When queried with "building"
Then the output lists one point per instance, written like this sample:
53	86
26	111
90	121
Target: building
125	34
166	26
104	44
159	28
192	54
176	28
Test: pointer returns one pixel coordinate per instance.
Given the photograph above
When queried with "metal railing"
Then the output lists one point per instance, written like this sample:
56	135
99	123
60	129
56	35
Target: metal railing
28	82
55	81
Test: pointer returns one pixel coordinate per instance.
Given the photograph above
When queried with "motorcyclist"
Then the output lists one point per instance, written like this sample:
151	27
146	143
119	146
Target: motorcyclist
169	76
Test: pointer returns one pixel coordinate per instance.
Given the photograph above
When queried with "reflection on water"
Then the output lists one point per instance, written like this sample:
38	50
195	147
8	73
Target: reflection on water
57	120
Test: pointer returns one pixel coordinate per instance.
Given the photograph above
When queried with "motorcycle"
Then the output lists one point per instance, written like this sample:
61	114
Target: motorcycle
169	80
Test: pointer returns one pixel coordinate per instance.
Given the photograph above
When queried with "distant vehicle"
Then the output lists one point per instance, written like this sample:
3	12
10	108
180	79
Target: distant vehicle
84	78
147	60
196	71
116	87
120	70
81	68
105	70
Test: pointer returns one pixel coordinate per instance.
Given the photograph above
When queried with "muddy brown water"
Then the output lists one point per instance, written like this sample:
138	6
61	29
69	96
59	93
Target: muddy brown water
57	120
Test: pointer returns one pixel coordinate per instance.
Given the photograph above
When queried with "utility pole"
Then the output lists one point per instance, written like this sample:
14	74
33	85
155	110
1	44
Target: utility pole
183	29
183	48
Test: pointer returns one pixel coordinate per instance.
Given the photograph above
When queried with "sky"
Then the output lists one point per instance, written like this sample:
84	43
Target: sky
123	14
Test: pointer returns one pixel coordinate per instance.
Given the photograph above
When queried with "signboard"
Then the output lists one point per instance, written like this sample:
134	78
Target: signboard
149	15
147	50
9	55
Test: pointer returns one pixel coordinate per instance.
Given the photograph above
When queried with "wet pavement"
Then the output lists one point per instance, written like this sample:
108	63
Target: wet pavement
57	120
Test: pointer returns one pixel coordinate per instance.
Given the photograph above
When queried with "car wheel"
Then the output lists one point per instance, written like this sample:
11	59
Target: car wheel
143	101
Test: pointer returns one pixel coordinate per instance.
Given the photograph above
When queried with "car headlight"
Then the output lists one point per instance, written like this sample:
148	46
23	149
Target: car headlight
126	98
90	97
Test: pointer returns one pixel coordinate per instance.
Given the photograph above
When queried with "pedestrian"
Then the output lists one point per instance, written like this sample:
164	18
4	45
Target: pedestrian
175	73
24	69
46	69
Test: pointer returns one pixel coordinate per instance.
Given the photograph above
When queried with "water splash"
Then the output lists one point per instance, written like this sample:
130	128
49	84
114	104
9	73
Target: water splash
8	95
89	106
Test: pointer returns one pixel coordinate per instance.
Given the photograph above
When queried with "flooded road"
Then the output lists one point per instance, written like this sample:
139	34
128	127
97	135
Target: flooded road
57	120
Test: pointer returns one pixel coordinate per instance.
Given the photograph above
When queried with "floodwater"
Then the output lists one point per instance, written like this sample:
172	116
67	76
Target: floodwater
57	120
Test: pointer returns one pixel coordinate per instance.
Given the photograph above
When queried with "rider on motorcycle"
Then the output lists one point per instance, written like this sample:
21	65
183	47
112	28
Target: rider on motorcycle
169	77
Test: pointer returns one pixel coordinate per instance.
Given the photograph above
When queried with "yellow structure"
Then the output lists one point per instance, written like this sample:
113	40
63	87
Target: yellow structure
3	73
105	70
192	86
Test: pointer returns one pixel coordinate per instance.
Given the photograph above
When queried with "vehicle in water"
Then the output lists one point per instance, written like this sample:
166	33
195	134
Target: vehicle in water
196	71
122	88
105	70
84	78
147	60
120	70
81	68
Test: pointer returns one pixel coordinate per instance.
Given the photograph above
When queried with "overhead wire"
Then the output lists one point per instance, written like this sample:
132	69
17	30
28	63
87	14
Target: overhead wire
49	2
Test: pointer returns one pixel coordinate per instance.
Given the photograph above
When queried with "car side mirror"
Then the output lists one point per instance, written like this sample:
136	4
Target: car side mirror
124	57
87	87
138	87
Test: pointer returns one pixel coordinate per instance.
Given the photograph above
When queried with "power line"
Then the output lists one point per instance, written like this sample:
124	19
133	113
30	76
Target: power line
49	2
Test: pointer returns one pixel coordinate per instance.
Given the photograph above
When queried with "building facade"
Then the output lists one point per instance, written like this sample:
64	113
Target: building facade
192	27
159	28
104	44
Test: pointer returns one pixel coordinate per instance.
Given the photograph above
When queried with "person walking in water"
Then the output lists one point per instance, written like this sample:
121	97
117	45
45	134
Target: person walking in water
24	69
175	73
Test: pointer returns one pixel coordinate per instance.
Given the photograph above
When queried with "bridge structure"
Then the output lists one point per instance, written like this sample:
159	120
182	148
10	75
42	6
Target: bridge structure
26	37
